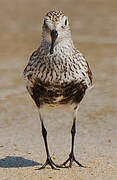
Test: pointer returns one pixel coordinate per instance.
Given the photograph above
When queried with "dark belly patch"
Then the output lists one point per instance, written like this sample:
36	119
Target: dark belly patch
69	93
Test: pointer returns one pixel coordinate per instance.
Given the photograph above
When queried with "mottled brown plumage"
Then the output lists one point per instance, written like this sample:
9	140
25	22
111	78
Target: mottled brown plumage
57	73
54	16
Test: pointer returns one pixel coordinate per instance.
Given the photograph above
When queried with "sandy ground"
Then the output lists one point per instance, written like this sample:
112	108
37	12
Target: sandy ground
22	149
21	145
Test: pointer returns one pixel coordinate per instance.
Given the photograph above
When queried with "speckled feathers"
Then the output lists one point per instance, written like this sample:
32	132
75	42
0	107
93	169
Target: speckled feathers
54	15
61	77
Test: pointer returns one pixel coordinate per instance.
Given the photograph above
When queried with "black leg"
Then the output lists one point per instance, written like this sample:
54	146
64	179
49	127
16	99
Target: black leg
71	155
48	160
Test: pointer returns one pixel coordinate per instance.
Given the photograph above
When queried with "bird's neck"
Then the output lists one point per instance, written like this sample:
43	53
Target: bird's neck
59	45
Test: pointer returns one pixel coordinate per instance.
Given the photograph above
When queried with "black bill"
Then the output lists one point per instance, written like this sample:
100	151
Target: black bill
54	36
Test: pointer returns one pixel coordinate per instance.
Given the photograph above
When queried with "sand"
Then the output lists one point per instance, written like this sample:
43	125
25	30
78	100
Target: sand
21	144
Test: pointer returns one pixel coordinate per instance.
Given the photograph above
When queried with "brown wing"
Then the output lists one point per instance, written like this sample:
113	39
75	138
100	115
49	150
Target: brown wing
89	73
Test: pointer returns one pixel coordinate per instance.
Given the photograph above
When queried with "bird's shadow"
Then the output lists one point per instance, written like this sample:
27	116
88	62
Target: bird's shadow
16	162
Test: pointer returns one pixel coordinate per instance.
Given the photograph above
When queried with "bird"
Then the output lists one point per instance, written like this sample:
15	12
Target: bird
57	76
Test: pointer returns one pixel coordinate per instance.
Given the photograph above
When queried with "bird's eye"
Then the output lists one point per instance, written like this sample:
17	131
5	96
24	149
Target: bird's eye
45	24
65	22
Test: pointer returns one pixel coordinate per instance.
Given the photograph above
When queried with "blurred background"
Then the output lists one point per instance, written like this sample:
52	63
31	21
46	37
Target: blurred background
94	31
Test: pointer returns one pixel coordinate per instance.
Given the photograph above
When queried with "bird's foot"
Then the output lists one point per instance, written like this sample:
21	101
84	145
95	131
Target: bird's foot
51	164
70	160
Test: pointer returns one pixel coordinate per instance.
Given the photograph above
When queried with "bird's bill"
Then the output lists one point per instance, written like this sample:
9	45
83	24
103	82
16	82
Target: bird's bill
54	36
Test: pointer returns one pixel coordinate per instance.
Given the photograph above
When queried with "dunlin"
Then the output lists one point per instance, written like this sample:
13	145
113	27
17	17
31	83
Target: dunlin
57	75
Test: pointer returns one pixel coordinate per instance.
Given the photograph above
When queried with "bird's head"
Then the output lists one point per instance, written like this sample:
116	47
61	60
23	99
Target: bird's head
55	28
